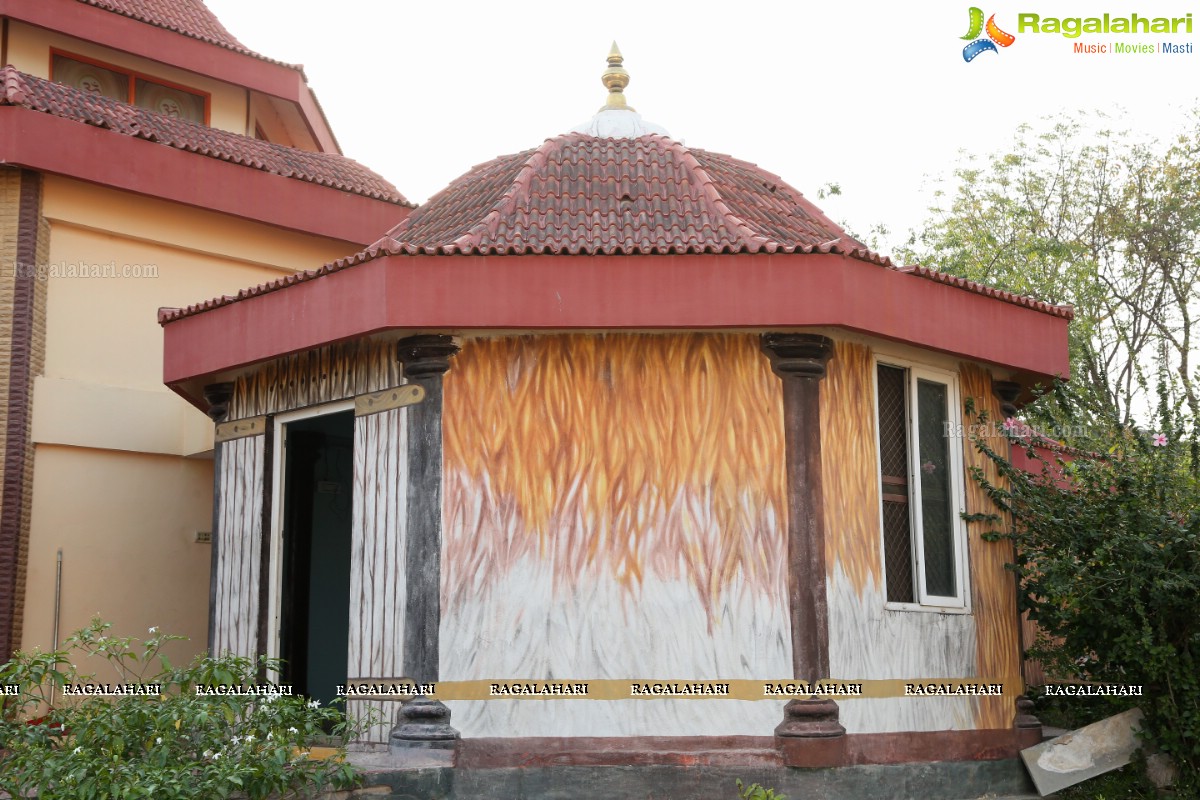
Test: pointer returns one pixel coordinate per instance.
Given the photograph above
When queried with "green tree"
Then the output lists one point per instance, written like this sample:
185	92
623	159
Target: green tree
1108	558
1091	217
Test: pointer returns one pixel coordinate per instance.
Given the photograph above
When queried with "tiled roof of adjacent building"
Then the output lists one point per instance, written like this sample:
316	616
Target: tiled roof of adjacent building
327	169
188	17
581	195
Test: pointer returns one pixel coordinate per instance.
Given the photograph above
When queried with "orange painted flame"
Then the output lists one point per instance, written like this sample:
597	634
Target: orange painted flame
622	454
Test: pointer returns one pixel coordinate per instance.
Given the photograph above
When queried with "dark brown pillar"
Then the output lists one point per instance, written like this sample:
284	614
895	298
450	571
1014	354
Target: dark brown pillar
218	396
422	722
1028	726
799	360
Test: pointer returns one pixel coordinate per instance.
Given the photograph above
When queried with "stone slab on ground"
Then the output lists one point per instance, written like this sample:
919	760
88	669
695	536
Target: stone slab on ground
1085	753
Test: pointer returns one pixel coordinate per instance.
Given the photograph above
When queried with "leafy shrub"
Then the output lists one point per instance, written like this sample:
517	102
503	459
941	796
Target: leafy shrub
1108	556
179	745
756	792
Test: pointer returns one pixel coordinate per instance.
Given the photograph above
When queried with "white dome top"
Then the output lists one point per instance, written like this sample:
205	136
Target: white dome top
618	123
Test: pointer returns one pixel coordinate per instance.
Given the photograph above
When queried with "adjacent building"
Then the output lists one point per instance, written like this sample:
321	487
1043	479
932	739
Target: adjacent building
146	158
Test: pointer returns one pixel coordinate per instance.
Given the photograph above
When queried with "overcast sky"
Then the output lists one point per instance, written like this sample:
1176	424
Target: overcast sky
873	96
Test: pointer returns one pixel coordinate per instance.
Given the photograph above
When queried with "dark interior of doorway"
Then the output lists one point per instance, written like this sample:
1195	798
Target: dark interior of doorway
318	503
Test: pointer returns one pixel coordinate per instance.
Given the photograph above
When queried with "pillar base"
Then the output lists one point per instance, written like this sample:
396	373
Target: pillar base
810	734
423	724
1028	727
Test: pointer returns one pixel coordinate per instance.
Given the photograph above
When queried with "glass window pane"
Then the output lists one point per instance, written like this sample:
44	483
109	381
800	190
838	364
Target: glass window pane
90	78
937	518
894	484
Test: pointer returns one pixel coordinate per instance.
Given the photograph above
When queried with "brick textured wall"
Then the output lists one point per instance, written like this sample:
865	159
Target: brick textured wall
24	243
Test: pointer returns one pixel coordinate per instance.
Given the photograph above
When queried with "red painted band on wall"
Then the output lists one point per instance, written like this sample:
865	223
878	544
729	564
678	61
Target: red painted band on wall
682	292
46	143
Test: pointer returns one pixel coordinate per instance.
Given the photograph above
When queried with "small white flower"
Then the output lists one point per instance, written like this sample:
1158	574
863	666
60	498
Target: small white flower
215	756
314	704
158	740
77	751
237	739
154	629
293	730
270	736
249	738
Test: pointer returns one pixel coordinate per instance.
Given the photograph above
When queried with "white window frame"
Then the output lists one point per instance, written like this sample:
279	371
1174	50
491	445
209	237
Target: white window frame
278	449
960	602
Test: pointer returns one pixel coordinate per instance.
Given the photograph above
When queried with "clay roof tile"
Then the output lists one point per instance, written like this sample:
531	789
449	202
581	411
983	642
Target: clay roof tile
326	169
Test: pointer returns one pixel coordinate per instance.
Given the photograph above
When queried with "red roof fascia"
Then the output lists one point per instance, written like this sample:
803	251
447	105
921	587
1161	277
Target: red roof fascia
46	143
166	46
550	292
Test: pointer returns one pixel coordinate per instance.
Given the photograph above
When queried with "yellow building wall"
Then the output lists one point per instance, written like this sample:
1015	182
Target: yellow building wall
123	471
126	523
29	51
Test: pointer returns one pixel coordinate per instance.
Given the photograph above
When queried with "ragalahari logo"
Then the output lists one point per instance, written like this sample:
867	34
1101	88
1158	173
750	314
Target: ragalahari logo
995	36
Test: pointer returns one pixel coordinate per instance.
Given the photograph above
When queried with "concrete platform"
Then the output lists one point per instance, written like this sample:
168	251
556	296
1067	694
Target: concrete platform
974	780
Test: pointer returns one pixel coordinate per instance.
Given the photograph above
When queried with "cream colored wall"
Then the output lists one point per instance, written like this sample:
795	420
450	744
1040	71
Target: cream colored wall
123	476
29	51
126	523
102	385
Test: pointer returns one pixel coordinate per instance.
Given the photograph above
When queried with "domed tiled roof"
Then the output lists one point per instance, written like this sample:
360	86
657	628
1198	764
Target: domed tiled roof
582	194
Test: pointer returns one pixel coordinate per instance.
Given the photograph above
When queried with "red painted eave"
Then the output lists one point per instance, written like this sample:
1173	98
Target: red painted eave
463	293
46	143
169	47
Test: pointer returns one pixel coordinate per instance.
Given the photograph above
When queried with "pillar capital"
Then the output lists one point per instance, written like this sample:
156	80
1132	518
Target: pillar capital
1007	392
426	355
797	355
218	397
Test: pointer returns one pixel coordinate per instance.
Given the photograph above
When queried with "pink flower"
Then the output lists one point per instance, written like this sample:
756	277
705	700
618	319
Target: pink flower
1160	440
1010	424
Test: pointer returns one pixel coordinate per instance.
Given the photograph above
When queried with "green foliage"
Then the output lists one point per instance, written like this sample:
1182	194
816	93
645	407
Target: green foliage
1108	556
1079	212
756	792
171	747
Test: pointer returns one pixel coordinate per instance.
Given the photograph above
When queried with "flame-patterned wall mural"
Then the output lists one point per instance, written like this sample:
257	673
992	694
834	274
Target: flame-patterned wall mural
614	509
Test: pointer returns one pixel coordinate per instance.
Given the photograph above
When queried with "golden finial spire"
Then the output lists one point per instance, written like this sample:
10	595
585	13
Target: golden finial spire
615	79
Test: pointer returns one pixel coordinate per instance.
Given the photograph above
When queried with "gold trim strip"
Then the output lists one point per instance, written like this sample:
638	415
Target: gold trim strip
240	429
396	397
915	690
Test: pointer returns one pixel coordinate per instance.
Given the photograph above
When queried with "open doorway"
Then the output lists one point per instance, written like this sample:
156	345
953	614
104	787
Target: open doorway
317	469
